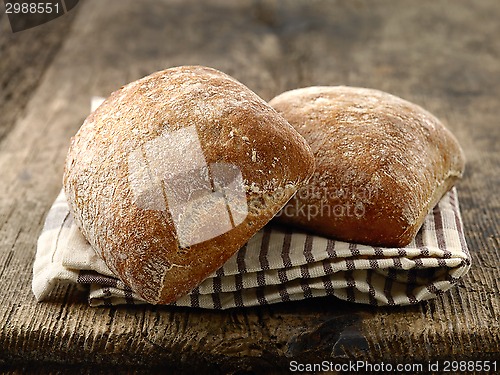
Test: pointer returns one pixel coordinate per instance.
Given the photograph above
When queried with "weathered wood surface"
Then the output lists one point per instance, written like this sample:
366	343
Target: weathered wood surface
440	54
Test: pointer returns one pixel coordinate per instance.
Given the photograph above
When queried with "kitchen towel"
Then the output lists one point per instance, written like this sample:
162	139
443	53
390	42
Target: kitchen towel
277	264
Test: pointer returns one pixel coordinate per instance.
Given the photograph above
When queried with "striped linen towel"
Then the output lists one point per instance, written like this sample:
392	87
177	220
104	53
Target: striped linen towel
276	265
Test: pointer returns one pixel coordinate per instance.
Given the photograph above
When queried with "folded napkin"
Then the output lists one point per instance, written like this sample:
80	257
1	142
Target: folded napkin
277	264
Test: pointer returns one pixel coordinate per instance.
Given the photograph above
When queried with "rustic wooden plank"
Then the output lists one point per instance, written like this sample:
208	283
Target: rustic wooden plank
24	58
437	55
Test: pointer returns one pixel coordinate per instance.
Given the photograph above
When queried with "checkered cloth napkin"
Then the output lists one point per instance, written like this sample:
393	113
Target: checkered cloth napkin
277	264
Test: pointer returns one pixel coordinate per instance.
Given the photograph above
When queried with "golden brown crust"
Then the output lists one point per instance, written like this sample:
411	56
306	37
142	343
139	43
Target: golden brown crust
135	234
381	164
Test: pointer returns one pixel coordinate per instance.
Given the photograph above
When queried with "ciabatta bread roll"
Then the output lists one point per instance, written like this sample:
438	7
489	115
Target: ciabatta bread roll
173	173
381	164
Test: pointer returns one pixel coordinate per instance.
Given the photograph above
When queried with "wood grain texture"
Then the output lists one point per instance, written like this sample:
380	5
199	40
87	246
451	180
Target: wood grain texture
441	56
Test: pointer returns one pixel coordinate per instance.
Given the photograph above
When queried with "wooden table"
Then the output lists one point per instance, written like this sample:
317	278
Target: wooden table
442	55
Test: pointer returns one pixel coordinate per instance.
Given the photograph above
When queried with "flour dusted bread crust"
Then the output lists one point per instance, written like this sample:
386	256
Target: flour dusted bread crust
173	173
381	164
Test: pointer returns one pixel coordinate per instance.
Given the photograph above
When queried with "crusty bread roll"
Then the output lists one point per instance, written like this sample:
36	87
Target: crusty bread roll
381	164
173	173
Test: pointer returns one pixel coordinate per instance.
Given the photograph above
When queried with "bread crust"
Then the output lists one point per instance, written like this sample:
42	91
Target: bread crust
135	233
381	164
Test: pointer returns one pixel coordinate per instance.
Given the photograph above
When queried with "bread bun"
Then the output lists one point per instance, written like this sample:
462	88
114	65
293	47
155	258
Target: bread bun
173	173
381	164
